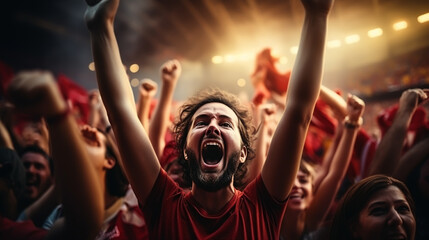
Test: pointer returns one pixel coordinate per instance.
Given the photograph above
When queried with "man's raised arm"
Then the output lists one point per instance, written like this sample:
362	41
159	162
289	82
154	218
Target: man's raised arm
287	144
36	94
139	160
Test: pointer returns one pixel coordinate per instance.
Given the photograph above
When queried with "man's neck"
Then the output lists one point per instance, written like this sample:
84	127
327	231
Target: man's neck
213	202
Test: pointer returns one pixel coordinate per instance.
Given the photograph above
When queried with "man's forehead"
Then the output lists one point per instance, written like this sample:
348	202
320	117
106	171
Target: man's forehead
217	109
33	156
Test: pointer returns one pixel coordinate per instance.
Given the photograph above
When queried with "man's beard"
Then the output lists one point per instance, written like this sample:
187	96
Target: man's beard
210	183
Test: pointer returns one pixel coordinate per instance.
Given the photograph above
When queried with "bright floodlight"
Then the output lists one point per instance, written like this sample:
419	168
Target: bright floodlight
423	18
352	39
400	25
376	32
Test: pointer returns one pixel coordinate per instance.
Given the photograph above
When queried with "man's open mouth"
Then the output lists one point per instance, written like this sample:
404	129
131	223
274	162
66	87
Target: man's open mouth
32	181
212	153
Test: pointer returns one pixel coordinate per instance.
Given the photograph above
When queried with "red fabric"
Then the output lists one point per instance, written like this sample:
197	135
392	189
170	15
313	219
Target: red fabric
11	230
78	97
322	128
314	145
418	120
170	213
322	120
169	153
417	128
260	95
273	80
127	224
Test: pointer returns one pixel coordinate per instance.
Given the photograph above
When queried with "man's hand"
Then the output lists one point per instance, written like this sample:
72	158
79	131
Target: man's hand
170	72
318	6
100	13
411	98
148	88
36	93
355	108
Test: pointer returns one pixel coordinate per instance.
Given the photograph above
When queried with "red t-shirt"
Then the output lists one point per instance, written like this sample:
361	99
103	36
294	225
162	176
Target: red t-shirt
125	223
11	230
171	213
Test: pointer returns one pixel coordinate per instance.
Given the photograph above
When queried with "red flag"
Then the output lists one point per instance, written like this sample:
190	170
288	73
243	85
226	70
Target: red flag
77	96
267	74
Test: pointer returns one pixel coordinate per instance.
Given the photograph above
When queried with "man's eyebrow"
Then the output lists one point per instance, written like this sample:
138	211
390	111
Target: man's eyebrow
205	115
225	117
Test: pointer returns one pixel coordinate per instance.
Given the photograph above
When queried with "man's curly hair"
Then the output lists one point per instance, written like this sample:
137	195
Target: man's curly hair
184	121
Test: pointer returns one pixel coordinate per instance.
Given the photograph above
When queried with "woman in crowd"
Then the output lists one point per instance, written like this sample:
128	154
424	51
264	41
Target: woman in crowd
312	195
377	207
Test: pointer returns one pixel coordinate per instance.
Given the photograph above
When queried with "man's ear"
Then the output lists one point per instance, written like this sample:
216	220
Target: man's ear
243	154
109	163
185	155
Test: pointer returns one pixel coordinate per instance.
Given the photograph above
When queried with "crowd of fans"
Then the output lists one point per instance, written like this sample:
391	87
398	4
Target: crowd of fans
394	73
300	161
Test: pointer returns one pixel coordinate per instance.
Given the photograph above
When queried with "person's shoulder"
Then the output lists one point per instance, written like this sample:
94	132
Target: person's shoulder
252	188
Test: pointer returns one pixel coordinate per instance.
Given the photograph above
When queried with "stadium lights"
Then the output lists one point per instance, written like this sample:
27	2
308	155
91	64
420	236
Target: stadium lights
376	32
423	18
400	25
352	39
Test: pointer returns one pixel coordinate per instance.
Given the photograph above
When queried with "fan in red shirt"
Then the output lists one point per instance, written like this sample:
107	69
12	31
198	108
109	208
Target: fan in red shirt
214	137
